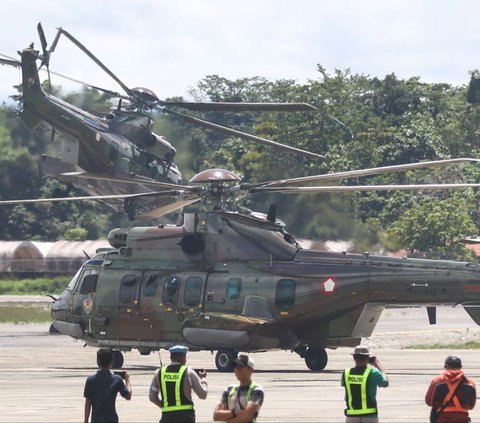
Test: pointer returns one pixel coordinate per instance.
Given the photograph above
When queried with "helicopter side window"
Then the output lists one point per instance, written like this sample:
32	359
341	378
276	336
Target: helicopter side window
171	286
285	295
234	286
128	289
150	286
193	291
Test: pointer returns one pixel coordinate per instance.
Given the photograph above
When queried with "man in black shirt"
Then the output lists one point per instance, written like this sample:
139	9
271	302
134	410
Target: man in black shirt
101	390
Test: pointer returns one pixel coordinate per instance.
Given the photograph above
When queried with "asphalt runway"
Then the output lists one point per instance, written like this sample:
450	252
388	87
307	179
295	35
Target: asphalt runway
42	376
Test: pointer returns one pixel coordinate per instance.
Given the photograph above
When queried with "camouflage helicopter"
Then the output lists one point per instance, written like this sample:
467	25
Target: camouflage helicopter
112	156
229	281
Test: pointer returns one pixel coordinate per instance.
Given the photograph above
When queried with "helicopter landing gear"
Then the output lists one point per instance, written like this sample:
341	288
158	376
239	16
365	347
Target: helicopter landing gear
316	358
130	205
224	360
117	359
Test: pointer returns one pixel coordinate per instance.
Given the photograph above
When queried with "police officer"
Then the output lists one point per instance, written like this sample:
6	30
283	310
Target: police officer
172	385
361	384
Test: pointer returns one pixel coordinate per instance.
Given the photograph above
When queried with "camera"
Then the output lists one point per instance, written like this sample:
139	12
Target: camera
121	374
372	359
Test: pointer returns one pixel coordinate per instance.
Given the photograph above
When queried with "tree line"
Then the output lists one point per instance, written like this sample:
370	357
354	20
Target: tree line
361	122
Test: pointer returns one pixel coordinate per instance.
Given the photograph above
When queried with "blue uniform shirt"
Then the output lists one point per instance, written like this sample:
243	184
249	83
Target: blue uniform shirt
101	389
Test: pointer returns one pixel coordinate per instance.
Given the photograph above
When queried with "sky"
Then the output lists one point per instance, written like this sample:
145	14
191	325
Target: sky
170	45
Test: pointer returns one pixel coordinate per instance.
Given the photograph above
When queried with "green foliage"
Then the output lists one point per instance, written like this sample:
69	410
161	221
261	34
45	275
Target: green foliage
469	345
39	286
75	234
360	122
435	227
25	313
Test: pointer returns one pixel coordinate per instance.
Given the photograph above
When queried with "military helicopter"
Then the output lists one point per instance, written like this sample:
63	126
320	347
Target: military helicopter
119	154
230	281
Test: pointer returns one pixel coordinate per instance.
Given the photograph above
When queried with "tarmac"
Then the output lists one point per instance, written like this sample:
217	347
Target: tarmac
42	378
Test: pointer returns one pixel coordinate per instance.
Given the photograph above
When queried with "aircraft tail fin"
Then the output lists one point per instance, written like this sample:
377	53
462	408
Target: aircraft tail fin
474	313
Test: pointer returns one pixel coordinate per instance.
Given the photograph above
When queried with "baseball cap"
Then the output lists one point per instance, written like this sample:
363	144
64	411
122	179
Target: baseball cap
244	360
361	350
453	361
178	349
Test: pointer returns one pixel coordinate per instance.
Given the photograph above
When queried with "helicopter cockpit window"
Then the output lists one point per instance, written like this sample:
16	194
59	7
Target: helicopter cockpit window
285	295
73	282
171	286
88	281
128	289
193	291
89	284
234	286
151	285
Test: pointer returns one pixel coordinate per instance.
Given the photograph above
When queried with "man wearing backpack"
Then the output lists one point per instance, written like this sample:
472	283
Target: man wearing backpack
451	394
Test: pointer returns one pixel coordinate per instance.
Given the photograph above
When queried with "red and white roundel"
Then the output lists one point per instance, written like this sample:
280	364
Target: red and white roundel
329	285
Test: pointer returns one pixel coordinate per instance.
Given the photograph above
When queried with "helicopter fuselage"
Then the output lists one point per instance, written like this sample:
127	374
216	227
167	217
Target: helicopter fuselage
97	147
222	281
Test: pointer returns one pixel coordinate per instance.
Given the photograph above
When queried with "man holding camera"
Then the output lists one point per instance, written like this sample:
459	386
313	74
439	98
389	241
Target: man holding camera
101	390
361	384
172	385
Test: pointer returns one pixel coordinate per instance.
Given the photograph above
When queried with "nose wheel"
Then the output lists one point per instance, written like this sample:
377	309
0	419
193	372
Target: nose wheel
224	360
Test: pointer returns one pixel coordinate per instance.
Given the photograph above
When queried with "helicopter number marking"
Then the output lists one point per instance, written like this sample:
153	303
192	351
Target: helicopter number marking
88	305
329	285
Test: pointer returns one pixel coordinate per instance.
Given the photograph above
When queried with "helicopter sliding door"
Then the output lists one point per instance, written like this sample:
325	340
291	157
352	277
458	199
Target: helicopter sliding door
178	298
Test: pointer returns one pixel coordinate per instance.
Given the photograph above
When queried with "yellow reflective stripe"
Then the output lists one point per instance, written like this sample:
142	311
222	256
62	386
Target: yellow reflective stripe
175	377
247	397
362	381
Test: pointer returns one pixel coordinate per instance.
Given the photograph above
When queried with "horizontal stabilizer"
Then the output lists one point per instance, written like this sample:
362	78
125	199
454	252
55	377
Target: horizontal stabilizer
474	313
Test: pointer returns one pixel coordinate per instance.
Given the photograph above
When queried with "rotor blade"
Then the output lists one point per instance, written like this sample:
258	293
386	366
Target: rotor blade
368	172
98	62
55	41
43	40
169	208
362	188
137	180
10	62
241	107
244	135
109	92
94	197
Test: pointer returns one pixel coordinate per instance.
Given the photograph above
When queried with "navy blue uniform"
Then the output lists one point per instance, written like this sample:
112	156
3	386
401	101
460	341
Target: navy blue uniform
102	389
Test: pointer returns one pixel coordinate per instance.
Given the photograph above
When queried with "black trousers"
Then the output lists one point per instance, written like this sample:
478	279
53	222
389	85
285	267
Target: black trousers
182	416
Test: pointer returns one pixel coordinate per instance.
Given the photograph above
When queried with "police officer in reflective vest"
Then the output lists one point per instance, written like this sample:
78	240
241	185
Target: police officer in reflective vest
172	385
361	384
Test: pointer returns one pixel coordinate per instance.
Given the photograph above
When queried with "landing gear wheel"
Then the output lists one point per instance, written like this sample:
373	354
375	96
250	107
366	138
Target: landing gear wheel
224	360
316	359
117	359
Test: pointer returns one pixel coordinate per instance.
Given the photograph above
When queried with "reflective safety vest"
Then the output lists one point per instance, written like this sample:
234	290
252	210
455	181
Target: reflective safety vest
357	400
171	386
234	390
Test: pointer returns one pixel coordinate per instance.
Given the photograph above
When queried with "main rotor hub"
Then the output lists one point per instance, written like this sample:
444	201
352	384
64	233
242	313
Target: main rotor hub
215	175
